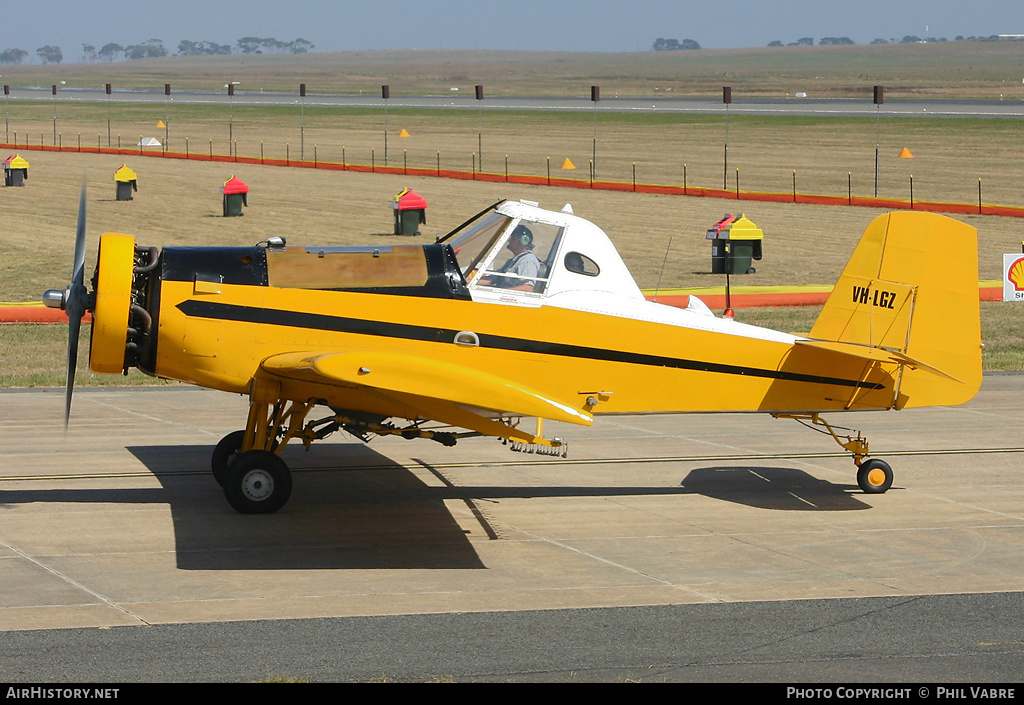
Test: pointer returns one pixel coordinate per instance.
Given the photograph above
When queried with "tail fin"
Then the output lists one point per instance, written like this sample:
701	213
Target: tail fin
911	287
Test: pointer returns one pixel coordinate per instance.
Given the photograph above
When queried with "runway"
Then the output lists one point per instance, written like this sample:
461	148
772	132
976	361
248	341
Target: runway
653	524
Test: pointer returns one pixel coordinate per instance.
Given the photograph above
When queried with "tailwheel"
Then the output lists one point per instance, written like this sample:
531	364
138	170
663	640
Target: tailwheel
874	476
226	451
257	482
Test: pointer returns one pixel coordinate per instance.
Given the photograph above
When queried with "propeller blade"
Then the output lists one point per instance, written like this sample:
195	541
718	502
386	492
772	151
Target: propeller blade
75	306
74	326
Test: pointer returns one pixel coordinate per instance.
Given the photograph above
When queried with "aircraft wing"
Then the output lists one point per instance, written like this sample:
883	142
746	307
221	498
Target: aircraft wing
433	389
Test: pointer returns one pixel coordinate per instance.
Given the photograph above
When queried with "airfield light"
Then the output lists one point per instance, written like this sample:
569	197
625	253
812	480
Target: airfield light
878	100
53	88
385	93
595	96
726	98
167	122
231	113
108	89
480	125
302	125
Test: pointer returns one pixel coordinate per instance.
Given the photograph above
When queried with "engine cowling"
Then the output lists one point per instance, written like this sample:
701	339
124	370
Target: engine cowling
113	292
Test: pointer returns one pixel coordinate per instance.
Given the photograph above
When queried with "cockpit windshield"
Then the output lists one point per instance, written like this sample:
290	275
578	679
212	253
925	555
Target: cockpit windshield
471	246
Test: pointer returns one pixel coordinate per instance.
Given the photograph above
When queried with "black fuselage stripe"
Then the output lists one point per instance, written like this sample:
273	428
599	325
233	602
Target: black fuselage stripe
405	331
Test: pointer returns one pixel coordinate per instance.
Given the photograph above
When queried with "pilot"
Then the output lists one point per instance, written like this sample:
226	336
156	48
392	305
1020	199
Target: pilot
522	263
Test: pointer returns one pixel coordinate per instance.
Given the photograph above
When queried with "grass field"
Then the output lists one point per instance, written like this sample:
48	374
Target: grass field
660	237
957	69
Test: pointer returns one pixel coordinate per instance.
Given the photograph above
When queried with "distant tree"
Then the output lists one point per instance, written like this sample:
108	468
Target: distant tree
301	46
88	52
805	41
50	54
249	45
148	49
190	48
835	40
13	56
879	41
674	44
909	39
108	51
775	43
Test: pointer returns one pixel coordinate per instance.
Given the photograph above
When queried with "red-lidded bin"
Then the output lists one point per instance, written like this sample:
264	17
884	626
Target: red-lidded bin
410	211
235	196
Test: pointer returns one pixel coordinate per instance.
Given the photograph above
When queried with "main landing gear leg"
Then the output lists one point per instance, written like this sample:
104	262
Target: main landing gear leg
246	463
874	476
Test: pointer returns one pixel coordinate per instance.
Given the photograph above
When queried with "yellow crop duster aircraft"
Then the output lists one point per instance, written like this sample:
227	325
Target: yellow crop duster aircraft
519	313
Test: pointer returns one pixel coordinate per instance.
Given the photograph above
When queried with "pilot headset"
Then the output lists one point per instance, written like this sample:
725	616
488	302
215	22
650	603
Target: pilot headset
523	235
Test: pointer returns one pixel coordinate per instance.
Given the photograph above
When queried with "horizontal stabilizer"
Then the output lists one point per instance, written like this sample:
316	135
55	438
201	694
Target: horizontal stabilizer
874	354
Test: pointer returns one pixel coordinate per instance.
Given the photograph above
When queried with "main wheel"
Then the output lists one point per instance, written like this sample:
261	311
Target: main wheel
874	476
257	482
226	451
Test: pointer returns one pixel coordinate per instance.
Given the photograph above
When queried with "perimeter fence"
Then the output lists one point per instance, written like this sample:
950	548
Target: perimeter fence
736	193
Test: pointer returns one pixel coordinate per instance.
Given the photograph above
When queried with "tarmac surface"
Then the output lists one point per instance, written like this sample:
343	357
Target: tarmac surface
665	547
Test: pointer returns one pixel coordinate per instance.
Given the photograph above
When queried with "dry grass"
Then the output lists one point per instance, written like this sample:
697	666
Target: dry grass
180	203
960	69
823	156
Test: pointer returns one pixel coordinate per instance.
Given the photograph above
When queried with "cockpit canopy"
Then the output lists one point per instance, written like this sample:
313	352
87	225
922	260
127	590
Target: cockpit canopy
521	253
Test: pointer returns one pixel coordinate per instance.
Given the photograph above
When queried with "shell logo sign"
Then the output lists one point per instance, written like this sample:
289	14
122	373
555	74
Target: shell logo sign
1013	277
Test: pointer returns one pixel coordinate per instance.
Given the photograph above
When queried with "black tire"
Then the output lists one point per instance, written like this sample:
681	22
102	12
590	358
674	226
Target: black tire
874	476
226	451
257	482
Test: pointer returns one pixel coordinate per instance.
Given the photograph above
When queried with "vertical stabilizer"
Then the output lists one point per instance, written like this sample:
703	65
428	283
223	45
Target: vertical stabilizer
911	287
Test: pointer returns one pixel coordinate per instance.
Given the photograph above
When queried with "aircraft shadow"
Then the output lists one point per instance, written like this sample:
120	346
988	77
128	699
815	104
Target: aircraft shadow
368	512
372	513
781	489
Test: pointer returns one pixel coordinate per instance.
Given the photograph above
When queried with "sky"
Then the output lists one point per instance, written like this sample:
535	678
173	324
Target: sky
559	25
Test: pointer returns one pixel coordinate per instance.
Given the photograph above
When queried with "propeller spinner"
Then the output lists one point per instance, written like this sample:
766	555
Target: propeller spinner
74	301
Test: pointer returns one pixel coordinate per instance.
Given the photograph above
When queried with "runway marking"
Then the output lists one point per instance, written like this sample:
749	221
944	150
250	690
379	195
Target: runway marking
75	584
